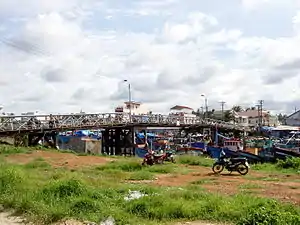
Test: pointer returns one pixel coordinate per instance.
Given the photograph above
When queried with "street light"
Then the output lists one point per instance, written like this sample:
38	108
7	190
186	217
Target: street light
206	107
129	98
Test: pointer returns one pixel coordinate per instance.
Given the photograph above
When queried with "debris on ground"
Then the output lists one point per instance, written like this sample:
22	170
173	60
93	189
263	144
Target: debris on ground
134	195
109	221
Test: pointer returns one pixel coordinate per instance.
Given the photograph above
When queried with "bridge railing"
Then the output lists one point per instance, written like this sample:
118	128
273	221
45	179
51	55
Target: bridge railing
78	121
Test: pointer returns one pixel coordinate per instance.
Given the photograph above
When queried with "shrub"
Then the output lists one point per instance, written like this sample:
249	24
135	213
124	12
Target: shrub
289	163
123	166
196	161
63	189
269	215
141	175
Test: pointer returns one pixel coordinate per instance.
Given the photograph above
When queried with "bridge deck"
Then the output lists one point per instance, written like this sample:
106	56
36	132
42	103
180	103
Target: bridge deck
39	123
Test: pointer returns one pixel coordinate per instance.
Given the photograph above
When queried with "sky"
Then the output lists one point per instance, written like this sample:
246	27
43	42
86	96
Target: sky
66	56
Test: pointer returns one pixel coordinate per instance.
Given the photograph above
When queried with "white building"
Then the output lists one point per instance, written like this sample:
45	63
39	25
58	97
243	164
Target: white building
293	119
185	114
252	118
178	109
137	108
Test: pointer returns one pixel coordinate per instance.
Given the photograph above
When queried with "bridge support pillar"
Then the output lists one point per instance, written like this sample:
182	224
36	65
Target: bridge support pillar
118	141
21	139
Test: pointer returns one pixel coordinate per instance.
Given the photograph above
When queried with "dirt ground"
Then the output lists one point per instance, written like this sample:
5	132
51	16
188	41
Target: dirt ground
59	159
279	186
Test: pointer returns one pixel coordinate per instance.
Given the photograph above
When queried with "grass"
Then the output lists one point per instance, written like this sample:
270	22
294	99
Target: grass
291	165
196	161
45	194
250	186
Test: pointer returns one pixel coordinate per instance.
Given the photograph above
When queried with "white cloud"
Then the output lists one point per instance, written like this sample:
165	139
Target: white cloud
54	62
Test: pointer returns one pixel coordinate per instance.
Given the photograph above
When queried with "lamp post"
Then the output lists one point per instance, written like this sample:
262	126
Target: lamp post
206	107
129	98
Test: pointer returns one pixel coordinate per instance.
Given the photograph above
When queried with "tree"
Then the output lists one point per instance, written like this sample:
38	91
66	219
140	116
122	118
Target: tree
237	108
251	108
282	118
229	116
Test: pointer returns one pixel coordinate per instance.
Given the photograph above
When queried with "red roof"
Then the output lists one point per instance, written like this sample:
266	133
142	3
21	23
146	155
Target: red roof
179	107
252	113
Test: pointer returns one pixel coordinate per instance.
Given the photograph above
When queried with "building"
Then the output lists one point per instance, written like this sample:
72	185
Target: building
293	119
178	109
185	113
252	118
242	120
137	108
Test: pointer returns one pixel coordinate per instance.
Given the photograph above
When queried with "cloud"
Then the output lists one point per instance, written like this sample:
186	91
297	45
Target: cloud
62	56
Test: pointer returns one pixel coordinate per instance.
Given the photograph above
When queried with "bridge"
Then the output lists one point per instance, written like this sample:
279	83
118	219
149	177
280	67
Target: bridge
118	135
51	122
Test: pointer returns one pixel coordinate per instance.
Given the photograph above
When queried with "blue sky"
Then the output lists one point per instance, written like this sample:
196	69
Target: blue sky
71	54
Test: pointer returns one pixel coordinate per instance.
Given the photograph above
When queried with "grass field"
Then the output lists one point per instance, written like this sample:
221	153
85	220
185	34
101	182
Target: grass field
48	186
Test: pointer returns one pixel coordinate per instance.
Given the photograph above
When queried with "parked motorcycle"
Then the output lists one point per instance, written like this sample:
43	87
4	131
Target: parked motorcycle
231	164
151	158
169	157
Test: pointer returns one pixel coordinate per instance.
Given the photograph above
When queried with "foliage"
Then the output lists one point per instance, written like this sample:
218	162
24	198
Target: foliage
269	215
289	163
195	161
229	116
237	108
45	199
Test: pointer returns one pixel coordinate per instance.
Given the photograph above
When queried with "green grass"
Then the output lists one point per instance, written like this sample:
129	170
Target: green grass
56	194
291	165
204	181
45	194
141	175
8	150
195	161
250	186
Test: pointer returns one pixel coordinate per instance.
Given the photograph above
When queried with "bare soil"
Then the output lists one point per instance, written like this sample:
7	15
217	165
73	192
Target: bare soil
57	159
7	219
282	187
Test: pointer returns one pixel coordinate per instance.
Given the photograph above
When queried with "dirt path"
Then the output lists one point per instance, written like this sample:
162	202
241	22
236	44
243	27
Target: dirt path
7	219
279	186
57	159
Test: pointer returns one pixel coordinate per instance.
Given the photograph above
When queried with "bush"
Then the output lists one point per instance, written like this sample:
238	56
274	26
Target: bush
269	215
289	163
141	175
195	161
63	189
123	166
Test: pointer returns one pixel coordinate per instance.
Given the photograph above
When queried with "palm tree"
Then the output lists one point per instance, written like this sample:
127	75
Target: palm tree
237	108
229	116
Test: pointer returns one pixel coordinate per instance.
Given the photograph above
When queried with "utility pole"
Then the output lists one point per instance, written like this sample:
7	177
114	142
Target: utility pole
206	106
222	108
129	99
260	114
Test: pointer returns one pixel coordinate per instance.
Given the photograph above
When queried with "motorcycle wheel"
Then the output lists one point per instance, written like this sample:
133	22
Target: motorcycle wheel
242	169
217	168
173	160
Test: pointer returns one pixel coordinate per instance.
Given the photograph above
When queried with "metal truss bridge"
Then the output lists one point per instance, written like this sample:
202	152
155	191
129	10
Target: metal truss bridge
41	123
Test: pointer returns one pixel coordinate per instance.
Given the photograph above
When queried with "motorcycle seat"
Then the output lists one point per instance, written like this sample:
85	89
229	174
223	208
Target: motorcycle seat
237	159
158	155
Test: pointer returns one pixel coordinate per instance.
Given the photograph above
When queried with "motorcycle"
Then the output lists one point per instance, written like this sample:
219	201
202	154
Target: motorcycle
151	158
169	157
231	164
